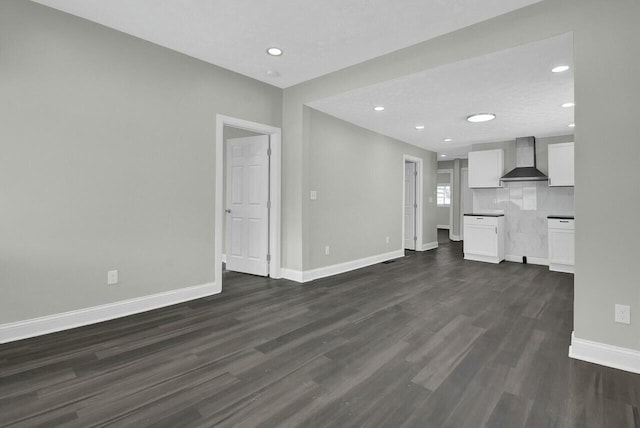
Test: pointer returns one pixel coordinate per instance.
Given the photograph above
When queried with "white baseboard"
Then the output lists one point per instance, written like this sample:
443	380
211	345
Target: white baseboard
429	246
530	260
605	355
562	268
485	259
454	238
443	226
293	275
323	272
81	317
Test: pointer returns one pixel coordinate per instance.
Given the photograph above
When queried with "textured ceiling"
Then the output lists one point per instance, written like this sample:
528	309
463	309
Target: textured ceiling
517	85
318	36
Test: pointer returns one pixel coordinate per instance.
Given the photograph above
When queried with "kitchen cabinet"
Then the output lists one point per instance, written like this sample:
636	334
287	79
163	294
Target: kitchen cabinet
561	236
561	164
485	168
484	237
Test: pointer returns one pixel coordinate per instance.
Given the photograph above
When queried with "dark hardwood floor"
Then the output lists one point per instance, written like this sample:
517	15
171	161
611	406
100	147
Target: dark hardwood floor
429	340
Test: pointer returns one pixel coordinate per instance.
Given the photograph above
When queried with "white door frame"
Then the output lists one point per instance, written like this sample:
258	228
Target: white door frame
419	180
450	172
275	141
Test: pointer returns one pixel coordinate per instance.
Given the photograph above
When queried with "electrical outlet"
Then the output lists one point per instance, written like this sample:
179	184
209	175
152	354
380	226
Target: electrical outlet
112	277
313	195
623	314
326	250
387	239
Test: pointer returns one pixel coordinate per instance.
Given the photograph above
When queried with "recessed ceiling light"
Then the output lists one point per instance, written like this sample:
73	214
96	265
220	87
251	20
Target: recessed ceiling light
567	105
560	68
273	51
572	125
378	108
481	117
443	156
447	140
419	127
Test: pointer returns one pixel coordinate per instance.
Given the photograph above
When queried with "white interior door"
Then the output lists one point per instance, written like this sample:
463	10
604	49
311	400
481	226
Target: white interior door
247	212
410	205
466	199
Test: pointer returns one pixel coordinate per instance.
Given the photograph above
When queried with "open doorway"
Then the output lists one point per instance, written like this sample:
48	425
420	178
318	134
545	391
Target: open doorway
247	215
444	206
412	203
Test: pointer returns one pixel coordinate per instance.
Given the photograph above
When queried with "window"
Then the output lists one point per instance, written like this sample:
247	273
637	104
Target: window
444	195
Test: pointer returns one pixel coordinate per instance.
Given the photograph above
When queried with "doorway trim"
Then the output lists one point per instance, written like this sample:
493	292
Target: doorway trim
419	180
275	165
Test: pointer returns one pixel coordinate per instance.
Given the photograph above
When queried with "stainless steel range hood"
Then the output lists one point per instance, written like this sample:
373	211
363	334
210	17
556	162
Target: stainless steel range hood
525	169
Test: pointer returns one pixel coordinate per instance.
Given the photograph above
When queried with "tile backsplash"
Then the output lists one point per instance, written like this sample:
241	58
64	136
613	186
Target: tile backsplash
526	206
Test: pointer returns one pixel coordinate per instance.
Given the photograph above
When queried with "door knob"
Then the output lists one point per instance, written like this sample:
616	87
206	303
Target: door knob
228	211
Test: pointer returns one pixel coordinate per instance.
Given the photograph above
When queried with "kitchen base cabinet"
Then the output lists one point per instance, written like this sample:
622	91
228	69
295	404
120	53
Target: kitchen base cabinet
561	244
484	238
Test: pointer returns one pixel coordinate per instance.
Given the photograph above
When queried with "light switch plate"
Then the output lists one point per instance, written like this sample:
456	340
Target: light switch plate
112	277
313	195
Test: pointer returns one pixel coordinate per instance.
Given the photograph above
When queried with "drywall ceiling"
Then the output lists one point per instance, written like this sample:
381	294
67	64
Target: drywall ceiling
517	85
317	36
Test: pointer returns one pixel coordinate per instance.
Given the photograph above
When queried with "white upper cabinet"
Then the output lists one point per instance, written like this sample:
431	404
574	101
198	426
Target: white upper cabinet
485	168
561	164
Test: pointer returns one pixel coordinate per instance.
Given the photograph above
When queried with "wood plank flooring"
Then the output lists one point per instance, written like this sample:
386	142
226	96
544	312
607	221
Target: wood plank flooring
427	341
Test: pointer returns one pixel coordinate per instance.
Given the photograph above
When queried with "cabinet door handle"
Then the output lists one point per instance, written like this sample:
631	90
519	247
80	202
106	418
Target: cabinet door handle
564	221
496	230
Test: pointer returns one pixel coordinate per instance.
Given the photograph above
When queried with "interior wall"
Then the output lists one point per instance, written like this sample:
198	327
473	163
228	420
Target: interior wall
108	161
358	176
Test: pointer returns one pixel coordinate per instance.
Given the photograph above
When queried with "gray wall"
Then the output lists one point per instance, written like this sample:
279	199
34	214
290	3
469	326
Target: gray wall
606	135
358	176
107	161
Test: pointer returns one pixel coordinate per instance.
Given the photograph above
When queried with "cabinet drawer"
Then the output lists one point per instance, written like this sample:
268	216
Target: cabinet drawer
480	220
556	223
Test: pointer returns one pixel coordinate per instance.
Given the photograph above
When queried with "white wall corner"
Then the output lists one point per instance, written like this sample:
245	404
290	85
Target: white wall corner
605	355
67	320
429	246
